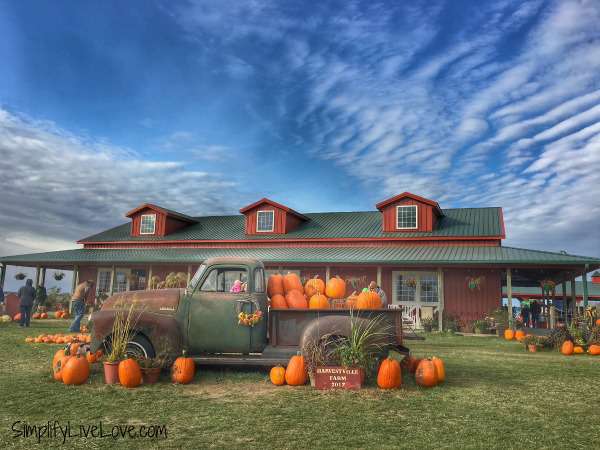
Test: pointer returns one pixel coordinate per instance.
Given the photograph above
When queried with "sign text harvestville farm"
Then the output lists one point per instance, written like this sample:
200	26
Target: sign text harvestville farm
329	377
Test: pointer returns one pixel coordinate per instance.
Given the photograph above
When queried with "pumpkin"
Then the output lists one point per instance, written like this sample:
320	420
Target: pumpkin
183	370
99	354
519	335
17	317
76	370
336	288
314	286
35	316
440	369
73	348
426	374
295	373
598	322
368	300
38	340
6	318
389	375
65	315
594	349
291	282
318	301
58	356
130	374
29	340
578	349
509	334
351	300
567	348
275	285
296	300
91	357
43	315
277	375
58	366
278	302
410	363
58	314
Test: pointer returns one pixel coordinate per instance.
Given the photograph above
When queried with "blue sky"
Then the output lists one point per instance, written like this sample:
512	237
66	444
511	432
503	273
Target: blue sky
206	106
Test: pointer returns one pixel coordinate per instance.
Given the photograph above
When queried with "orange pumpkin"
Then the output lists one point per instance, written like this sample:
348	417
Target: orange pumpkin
277	375
440	369
130	374
58	356
389	375
351	300
594	349
426	374
519	335
314	286
17	317
275	285
295	372
58	314
65	315
336	288
291	282
368	300
509	334
567	348
58	366
99	354
598	322
43	315
76	370
35	316
183	370
578	349
318	301
278	302
91	357
296	300
29	340
73	348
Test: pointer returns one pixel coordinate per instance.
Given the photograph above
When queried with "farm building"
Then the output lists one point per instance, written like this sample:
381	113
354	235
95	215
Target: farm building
427	259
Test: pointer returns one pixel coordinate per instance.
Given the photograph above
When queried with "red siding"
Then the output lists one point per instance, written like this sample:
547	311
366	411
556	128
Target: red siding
470	305
291	222
279	220
426	220
159	229
173	225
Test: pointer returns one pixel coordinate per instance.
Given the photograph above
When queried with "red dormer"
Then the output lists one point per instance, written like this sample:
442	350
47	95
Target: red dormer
408	212
151	220
268	217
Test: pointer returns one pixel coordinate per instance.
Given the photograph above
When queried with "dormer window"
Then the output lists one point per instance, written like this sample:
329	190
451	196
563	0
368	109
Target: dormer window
406	217
148	224
265	221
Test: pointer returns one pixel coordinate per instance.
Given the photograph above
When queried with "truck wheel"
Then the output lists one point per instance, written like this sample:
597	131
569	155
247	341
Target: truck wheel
139	346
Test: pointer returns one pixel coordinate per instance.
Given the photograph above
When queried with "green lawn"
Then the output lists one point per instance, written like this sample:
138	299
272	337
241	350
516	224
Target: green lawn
496	396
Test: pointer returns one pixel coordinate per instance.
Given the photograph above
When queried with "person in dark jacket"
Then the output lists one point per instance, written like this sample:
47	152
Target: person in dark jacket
525	314
26	297
534	311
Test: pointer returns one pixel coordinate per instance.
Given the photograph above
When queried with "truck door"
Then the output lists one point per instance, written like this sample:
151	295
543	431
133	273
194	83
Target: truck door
214	308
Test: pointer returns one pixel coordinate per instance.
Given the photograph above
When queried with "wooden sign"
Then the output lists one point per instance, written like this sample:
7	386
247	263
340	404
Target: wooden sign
334	377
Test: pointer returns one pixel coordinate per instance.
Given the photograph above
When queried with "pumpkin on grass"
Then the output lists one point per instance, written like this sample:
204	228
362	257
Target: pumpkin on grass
17	317
368	300
275	285
35	316
291	282
426	374
567	348
389	375
296	300
578	349
278	302
440	369
277	375
336	288
594	349
91	357
509	334
519	335
183	370
58	366
130	374
318	301
76	370
43	315
295	373
314	286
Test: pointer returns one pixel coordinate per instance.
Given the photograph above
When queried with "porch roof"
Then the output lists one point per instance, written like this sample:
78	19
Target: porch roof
408	255
536	291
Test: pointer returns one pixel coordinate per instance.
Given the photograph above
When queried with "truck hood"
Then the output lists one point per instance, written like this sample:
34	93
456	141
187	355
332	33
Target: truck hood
163	301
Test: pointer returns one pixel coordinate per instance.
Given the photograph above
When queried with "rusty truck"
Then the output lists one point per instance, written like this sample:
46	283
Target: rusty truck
203	319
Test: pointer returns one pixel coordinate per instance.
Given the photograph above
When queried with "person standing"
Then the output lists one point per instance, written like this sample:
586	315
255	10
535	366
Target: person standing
26	296
535	310
525	314
374	288
78	301
1	300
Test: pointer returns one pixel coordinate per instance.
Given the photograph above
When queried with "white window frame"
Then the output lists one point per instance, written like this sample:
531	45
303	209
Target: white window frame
153	223
417	276
270	211
127	273
416	217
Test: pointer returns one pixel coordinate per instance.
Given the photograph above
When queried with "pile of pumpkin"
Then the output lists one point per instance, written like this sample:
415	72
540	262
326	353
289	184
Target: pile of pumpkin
568	348
59	338
37	316
287	292
428	372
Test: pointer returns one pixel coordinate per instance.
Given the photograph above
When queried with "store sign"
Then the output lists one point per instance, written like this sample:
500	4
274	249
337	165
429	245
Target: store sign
333	377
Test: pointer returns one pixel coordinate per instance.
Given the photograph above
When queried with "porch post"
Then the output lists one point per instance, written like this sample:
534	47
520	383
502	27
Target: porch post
2	275
573	296
43	279
112	279
327	273
149	283
585	285
440	280
73	286
37	276
379	276
509	295
189	274
565	299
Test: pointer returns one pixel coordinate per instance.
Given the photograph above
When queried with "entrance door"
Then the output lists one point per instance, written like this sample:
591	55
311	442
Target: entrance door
417	294
214	309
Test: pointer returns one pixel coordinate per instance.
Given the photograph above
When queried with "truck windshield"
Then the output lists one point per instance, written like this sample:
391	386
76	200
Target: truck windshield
197	275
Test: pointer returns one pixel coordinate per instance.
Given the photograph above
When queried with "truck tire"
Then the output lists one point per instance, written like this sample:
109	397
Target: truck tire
140	346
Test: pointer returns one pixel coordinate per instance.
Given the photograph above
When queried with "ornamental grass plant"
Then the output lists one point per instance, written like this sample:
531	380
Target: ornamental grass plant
122	331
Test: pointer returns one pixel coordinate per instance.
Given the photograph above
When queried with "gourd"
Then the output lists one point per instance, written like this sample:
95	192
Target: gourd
277	375
91	357
292	282
440	369
183	370
130	374
336	288
295	372
318	301
76	370
426	374
389	375
578	349
368	300
278	301
314	286
567	348
296	300
275	285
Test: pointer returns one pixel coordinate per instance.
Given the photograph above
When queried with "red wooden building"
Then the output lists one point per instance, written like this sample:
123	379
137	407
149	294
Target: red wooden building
427	259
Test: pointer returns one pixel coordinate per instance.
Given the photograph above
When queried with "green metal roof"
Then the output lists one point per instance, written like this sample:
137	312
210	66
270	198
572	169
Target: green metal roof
593	289
397	255
463	222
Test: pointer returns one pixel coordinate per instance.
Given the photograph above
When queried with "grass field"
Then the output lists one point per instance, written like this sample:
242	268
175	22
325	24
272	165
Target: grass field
496	396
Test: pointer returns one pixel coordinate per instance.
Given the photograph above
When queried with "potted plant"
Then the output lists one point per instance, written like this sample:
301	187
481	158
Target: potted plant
532	343
58	276
123	325
500	318
151	367
480	326
20	276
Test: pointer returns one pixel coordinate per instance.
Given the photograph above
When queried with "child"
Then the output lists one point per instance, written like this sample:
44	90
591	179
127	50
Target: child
236	288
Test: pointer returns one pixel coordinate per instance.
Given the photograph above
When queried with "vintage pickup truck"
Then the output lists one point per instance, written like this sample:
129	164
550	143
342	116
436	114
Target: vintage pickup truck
203	319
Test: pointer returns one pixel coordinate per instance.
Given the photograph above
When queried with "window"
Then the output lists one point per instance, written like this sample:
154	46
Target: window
148	224
429	288
259	280
264	221
222	280
406	217
103	283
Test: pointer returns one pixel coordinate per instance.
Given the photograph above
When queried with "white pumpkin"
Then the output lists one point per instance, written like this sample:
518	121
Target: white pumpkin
6	318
